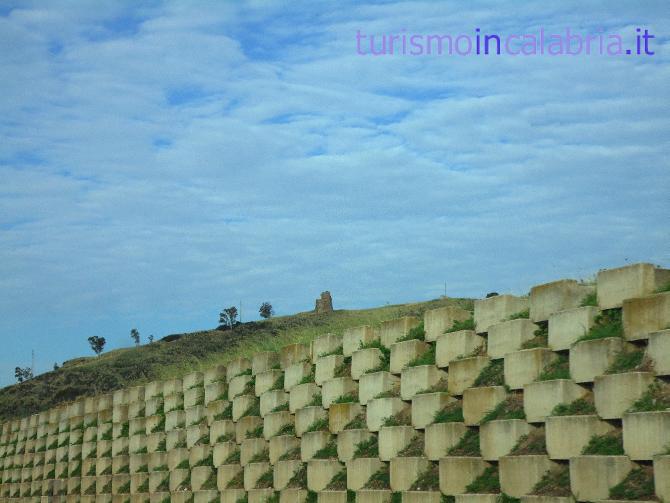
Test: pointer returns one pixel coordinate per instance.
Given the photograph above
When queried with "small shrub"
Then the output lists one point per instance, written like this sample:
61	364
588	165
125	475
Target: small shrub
607	324
554	483
348	398
426	358
468	445
266	480
491	375
338	482
367	448
540	339
336	351
638	485
381	479
626	361
525	314
402	418
468	324
307	379
317	400
609	444
428	480
590	299
357	423
657	397
413	449
487	483
579	407
260	457
287	429
318	425
510	408
293	454
533	443
233	458
452	413
418	333
299	479
558	369
327	452
257	432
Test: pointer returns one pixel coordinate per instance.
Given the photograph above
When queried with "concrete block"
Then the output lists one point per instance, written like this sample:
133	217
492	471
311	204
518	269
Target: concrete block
519	474
496	309
213	374
615	393
589	359
222	452
556	296
216	391
246	425
250	448
341	414
295	373
294	353
371	385
302	395
392	330
335	388
236	367
175	420
635	280
364	360
566	436
232	495
325	368
172	402
253	472
662	477
200	475
266	380
192	380
425	406
306	416
194	415
540	398
264	361
353	338
379	409
241	404
238	385
260	495
360	470
440	437
464	372
646	434
658	351
453	345
404	352
414	380
275	421
196	434
331	497
592	477
565	327
644	315
478	401
284	472
270	400
293	496
280	445
193	397
508	336
175	438
221	430
525	366
374	496
456	473
225	474
393	439
348	440
498	438
405	471
320	472
436	321
324	344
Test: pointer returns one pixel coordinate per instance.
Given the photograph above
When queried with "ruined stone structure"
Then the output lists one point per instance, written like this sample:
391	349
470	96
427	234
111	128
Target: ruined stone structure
509	399
324	304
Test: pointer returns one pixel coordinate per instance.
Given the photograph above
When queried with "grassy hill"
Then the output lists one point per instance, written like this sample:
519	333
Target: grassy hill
177	355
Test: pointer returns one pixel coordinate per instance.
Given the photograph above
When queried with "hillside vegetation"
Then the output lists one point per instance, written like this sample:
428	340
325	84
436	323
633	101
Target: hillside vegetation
177	355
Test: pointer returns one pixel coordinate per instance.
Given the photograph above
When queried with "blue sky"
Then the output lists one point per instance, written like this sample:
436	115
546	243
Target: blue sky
162	160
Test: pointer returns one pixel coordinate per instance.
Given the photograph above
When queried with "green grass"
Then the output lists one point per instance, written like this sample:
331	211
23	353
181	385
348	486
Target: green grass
338	482
318	425
186	353
609	444
638	485
299	479
521	315
426	358
367	448
348	398
540	339
468	324
487	483
558	369
415	333
357	423
590	299
402	418
664	288
452	413
510	408
579	407
607	324
657	397
626	361
533	443
429	480
414	449
329	451
381	479
491	375
468	445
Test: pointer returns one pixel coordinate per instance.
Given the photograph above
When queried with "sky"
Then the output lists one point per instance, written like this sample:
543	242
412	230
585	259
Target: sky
162	160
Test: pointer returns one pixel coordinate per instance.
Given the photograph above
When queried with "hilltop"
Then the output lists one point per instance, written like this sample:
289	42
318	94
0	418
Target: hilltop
178	354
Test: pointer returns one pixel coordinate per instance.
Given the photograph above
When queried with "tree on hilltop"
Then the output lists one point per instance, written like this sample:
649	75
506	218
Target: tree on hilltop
135	335
228	316
266	310
97	344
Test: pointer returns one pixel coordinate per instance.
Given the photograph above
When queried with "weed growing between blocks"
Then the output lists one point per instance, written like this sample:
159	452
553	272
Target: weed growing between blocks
609	444
491	375
607	324
657	397
638	485
558	369
579	407
510	408
467	446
